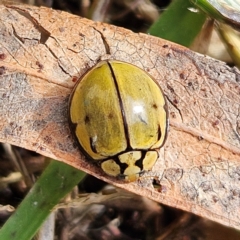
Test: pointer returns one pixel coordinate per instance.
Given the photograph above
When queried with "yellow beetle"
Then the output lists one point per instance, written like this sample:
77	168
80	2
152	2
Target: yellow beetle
118	114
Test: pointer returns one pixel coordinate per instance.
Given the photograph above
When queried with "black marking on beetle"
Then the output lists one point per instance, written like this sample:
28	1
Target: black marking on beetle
86	119
92	144
73	127
139	162
159	133
121	106
154	105
110	116
123	166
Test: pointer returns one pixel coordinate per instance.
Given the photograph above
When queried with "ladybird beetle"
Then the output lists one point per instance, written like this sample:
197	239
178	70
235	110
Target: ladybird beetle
119	117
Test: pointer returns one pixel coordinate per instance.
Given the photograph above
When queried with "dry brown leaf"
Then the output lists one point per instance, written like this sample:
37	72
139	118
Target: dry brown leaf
42	54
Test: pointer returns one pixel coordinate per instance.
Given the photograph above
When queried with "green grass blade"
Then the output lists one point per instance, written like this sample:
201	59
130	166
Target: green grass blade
178	24
55	182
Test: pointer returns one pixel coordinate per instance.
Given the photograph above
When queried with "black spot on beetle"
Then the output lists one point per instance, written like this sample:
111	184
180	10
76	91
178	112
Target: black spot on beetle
155	106
159	132
87	120
110	116
93	145
139	162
